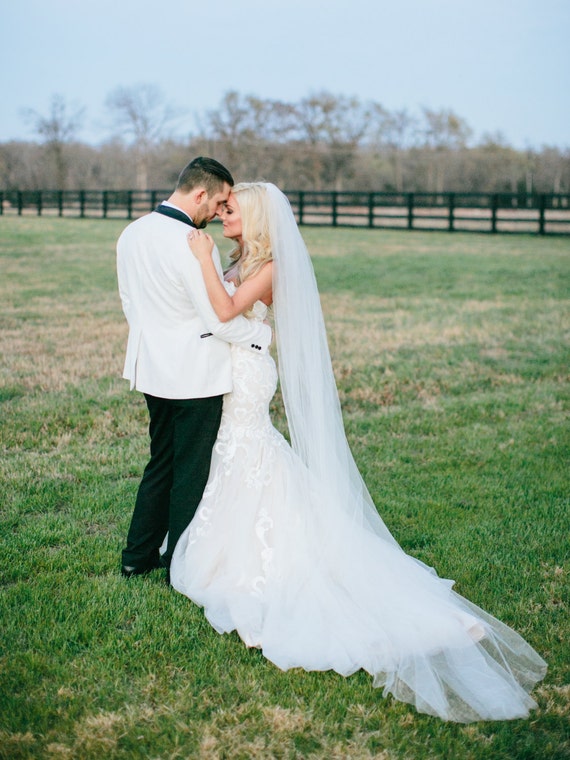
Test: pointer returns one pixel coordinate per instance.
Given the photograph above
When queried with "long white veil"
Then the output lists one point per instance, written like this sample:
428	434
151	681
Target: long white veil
307	380
320	583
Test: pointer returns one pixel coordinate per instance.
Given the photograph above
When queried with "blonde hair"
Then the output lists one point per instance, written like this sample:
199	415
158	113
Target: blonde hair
255	250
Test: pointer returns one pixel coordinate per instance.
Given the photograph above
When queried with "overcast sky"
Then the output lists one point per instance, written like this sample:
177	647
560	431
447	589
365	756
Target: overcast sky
502	65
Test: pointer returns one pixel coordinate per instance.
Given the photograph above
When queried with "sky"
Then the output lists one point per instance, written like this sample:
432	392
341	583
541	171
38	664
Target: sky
501	65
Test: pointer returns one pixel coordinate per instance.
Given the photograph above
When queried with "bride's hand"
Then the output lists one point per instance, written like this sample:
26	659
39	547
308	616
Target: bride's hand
201	244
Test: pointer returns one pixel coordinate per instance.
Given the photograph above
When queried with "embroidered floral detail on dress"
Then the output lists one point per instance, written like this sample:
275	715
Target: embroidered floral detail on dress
246	439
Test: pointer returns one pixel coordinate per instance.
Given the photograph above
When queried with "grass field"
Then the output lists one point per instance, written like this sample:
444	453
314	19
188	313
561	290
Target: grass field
451	354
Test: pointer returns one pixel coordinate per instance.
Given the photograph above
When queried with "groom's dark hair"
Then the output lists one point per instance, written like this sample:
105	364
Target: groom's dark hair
204	172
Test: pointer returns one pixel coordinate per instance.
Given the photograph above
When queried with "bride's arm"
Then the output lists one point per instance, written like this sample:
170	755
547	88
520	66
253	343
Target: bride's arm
255	288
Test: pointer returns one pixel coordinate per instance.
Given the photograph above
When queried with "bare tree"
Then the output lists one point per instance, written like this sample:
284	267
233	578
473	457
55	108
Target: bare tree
553	170
142	114
322	142
273	121
229	128
57	130
443	131
230	122
332	128
249	134
392	133
497	166
22	166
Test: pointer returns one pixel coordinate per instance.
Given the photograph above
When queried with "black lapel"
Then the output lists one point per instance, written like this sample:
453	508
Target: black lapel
174	213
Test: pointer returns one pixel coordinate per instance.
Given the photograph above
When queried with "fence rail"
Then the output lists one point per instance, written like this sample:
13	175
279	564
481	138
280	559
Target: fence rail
543	214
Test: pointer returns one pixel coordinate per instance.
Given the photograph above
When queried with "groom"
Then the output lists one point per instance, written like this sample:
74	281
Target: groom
178	355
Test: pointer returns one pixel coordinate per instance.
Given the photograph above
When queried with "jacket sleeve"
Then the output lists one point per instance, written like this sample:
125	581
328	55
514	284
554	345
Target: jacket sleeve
248	333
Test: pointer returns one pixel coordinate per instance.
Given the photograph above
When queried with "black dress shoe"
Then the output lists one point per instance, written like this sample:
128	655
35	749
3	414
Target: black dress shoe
127	571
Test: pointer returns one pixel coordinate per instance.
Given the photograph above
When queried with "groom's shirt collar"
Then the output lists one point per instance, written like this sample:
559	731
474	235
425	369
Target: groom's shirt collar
168	203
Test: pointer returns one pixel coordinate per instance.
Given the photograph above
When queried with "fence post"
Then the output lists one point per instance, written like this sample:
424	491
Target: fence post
153	203
371	210
105	203
60	202
301	205
39	202
494	207
1	202
82	204
129	204
541	210
20	202
451	212
334	199
410	211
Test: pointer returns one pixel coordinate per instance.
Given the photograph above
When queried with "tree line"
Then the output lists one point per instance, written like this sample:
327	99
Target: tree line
322	142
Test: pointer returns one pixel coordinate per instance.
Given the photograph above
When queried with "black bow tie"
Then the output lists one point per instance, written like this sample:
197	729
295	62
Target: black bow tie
174	213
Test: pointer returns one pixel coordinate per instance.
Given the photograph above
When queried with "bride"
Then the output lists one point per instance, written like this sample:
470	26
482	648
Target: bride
287	547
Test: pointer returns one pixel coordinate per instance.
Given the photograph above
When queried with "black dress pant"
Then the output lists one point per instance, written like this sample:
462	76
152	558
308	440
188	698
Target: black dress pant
182	435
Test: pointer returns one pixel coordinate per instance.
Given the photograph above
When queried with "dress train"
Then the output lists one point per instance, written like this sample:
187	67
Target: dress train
262	558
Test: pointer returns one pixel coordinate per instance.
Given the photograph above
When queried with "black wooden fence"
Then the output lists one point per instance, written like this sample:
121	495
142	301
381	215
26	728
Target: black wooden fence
541	213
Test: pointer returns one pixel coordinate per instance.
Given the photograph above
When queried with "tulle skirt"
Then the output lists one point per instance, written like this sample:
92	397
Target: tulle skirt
262	559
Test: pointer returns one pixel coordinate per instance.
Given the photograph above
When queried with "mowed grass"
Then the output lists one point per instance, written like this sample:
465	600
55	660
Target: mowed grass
451	355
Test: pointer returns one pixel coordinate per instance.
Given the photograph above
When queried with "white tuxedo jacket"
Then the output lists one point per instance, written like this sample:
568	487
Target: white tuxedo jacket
177	347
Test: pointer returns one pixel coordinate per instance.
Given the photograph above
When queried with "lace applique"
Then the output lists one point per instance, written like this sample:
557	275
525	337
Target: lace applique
246	438
247	444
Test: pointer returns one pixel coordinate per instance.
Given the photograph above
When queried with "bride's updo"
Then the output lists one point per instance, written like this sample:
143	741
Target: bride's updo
255	250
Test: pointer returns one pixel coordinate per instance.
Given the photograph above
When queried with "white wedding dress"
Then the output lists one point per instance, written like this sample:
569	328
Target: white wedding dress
263	557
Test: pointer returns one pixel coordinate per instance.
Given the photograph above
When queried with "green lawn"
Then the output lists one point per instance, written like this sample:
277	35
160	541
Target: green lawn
451	354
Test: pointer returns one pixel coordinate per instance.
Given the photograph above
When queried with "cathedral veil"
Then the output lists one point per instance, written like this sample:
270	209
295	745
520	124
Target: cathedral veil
307	381
287	547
